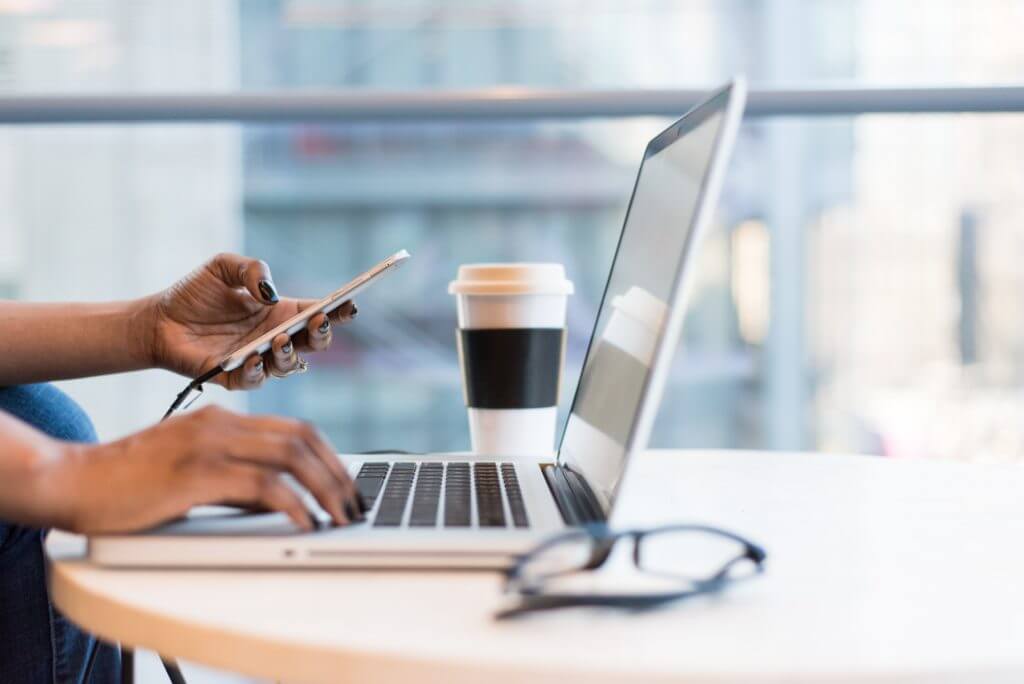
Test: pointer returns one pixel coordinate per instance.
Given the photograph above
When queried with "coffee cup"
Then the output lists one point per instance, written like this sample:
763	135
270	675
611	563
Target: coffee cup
511	343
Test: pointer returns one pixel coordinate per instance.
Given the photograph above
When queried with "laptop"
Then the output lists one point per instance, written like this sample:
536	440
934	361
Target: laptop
475	511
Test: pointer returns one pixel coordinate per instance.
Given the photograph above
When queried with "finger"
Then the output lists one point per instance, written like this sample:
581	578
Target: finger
252	274
288	451
318	445
258	486
344	313
318	333
326	452
316	441
283	355
248	376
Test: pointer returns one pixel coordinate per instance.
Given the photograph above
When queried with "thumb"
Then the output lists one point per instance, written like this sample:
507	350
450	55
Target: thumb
252	274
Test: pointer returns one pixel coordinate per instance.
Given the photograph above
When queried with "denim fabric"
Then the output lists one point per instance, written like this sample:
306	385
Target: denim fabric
37	643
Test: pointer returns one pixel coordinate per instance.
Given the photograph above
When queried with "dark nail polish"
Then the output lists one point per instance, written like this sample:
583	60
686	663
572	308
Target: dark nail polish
324	327
355	311
350	510
287	348
363	507
268	291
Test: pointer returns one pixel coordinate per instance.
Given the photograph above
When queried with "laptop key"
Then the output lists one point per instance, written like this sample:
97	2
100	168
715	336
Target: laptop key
514	495
396	493
369	488
490	512
427	496
370	479
457	495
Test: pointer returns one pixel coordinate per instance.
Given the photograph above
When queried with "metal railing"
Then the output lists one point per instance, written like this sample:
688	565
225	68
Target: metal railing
487	104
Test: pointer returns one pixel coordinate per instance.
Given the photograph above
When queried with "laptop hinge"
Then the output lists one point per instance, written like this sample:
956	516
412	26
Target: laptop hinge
573	496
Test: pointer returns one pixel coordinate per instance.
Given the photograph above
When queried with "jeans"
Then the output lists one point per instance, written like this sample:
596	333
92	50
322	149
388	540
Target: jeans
37	643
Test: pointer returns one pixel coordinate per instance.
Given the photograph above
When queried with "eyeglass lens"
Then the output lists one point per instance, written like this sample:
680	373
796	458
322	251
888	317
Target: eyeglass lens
568	554
692	555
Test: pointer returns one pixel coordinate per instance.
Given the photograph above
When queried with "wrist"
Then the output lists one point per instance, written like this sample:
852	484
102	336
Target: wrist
52	481
142	323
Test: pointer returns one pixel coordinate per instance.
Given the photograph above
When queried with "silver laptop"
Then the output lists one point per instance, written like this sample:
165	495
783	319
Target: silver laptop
460	510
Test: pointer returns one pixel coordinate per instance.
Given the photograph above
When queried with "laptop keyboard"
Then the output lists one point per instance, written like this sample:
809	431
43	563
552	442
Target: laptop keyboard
443	494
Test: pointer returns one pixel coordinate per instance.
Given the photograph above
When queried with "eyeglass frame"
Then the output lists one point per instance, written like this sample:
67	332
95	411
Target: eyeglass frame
603	542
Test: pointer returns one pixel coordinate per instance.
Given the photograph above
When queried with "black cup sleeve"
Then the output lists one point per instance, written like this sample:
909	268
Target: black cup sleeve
511	368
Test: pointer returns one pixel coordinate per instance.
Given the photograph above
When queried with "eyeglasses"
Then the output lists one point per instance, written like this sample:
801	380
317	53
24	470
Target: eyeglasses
674	562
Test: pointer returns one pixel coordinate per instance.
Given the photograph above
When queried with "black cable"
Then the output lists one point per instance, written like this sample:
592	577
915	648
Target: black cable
194	386
173	671
170	666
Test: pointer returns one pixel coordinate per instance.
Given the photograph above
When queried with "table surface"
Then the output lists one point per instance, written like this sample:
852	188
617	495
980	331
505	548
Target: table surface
878	569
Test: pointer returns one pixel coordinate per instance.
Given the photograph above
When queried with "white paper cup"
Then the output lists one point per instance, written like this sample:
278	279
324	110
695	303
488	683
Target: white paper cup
511	342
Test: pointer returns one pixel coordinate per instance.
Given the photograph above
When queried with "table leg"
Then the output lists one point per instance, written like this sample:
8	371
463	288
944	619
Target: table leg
127	666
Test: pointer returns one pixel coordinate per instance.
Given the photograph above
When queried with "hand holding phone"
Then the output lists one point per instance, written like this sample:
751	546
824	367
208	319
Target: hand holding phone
291	326
326	305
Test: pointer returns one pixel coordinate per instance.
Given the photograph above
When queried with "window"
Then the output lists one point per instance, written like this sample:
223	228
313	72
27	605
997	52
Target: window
859	292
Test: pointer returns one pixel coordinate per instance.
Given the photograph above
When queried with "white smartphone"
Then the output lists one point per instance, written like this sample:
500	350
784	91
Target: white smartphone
328	304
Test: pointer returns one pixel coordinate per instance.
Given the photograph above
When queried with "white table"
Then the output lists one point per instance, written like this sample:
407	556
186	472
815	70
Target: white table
878	570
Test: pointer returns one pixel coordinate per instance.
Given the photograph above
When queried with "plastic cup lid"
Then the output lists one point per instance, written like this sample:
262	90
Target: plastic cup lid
511	279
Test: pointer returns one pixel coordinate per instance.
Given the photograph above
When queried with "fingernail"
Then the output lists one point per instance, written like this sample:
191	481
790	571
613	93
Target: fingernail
363	507
268	291
286	348
355	311
350	510
258	367
324	327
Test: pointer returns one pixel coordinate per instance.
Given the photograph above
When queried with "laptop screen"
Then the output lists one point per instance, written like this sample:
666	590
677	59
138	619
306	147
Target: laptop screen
636	302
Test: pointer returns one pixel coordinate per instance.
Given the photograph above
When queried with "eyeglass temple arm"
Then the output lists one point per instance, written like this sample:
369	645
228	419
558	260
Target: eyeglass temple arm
542	602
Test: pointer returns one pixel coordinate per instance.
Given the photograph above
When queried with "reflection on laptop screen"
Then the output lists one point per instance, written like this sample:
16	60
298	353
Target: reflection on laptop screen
635	305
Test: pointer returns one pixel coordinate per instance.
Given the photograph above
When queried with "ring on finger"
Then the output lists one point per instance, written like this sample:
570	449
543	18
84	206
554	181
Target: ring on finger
301	367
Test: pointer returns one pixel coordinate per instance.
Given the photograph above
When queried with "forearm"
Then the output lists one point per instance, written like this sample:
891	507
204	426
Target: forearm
43	342
27	459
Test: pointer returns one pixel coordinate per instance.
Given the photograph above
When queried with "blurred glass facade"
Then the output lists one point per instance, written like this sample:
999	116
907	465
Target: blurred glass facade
860	291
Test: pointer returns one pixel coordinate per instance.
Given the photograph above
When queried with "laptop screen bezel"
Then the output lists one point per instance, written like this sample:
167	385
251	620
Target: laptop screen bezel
729	101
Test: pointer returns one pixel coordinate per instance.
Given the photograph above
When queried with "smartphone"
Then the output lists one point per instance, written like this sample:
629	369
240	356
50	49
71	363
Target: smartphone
328	304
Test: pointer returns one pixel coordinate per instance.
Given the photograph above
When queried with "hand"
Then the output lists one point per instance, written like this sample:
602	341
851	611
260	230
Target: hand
222	305
207	456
